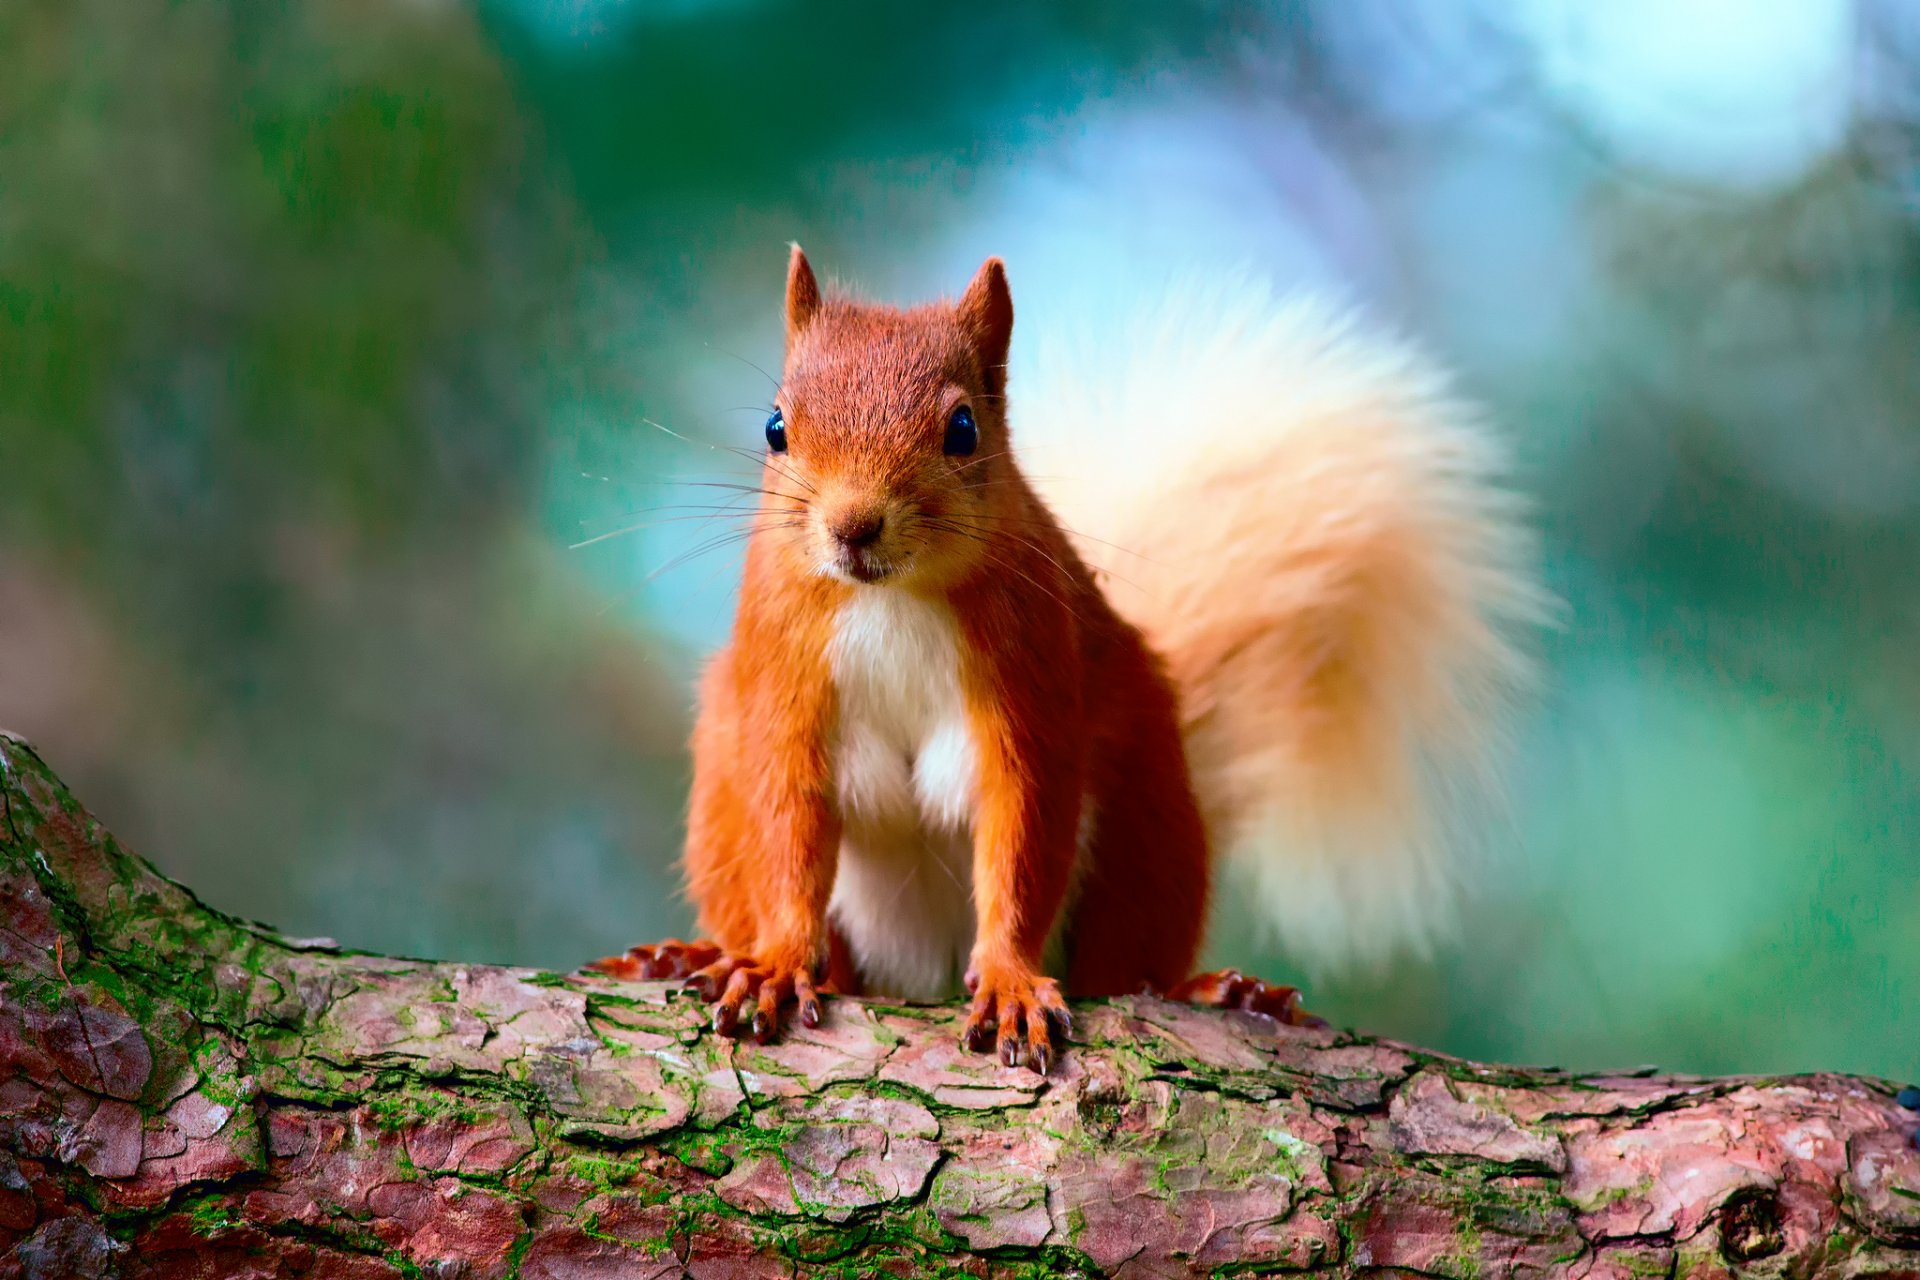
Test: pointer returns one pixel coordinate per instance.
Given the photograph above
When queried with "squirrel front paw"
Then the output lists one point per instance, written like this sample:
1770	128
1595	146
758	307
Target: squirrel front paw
732	982
727	980
1020	1011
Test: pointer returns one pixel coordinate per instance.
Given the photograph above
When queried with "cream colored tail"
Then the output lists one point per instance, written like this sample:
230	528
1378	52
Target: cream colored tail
1310	528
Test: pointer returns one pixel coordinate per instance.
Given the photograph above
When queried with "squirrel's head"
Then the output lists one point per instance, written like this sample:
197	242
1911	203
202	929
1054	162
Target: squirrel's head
887	450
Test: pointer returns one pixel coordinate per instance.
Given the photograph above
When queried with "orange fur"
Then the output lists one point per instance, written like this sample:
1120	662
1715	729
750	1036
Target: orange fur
1063	702
921	657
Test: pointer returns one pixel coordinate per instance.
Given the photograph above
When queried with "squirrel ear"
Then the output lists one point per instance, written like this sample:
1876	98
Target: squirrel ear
985	310
803	293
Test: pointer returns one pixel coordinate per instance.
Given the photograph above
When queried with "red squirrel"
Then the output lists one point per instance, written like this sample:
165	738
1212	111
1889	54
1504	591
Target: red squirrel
954	744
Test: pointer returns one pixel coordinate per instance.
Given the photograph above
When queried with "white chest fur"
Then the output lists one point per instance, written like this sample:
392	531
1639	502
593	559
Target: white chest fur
904	770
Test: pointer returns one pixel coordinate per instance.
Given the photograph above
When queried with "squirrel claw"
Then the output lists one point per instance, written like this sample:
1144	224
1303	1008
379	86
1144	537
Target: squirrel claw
1021	1014
979	1036
733	982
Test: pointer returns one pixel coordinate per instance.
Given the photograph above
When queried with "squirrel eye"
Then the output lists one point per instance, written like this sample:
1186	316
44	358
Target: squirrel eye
776	432
963	435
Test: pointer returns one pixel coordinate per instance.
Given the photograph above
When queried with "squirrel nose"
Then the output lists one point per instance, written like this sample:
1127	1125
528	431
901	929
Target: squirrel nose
859	529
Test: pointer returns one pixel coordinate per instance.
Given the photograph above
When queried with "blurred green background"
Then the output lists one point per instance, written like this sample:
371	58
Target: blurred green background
327	329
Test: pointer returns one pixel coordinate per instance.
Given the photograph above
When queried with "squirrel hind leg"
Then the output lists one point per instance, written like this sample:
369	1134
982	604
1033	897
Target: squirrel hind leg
1232	989
843	976
669	961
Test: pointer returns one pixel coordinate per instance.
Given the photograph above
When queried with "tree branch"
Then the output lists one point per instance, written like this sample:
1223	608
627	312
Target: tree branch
186	1094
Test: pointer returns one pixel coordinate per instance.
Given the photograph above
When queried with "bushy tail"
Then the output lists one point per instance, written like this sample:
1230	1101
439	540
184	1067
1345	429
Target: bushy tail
1310	528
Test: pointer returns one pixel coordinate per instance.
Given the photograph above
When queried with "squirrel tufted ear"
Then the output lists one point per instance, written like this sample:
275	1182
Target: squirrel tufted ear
986	312
803	293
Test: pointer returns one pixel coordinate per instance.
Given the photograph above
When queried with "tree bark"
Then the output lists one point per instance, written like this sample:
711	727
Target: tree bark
186	1094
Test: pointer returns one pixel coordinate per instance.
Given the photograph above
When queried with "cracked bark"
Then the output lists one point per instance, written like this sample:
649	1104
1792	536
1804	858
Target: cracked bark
185	1094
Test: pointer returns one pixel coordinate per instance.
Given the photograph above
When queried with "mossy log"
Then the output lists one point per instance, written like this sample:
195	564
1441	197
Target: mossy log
186	1094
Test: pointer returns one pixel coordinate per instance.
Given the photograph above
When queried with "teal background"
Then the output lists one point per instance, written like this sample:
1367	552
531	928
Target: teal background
326	330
